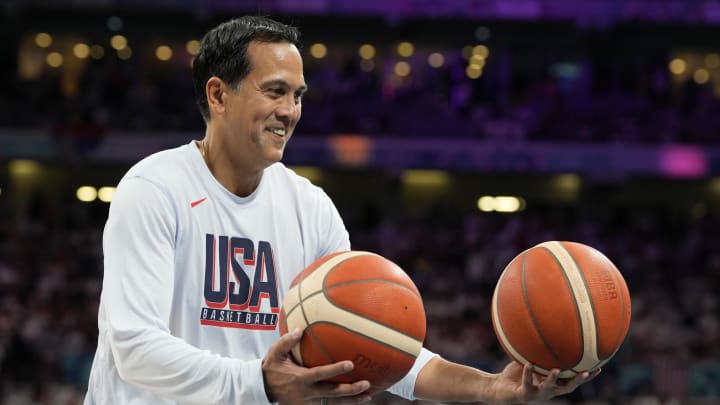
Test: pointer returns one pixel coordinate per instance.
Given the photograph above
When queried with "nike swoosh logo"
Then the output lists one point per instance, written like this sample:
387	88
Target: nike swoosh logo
198	202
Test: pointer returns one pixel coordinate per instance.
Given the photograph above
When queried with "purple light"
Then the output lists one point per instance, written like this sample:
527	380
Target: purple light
683	161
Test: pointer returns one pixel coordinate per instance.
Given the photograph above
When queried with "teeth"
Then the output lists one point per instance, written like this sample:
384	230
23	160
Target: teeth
278	131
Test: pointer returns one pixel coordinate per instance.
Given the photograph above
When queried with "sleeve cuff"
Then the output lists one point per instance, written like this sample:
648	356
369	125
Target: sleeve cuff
252	383
405	388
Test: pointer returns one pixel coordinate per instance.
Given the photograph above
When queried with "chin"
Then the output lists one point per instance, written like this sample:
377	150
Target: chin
274	157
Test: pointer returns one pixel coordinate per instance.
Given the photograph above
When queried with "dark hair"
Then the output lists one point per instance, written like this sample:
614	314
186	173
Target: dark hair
223	52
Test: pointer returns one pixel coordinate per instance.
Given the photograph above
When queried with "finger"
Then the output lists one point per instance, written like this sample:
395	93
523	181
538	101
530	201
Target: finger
583	377
352	392
551	380
578	379
322	373
527	376
358	399
286	342
572	384
593	374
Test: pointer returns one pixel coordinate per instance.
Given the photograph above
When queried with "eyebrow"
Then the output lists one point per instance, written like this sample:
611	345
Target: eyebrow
279	82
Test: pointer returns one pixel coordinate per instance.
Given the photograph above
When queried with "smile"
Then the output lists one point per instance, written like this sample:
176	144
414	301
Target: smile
278	131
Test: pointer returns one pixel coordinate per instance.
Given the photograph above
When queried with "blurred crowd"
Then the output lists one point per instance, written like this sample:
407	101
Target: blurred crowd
521	94
51	269
51	256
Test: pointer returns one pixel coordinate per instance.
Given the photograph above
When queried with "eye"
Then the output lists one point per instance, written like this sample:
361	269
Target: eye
276	92
298	97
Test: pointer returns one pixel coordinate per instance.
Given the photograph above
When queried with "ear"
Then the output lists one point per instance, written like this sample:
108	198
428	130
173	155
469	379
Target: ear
214	89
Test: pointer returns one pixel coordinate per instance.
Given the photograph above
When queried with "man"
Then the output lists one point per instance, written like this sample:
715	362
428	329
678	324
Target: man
202	241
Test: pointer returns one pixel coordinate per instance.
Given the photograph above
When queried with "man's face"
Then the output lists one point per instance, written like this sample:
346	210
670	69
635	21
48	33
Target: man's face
261	114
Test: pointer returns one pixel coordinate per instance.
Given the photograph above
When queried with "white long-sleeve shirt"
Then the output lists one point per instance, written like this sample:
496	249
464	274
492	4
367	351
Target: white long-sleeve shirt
194	280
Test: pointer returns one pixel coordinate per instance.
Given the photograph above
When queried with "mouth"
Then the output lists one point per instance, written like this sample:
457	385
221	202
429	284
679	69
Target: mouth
279	132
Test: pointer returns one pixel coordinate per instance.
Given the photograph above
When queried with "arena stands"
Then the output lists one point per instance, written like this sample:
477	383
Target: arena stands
576	87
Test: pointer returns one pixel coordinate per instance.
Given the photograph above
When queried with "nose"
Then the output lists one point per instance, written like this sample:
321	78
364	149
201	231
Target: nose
289	109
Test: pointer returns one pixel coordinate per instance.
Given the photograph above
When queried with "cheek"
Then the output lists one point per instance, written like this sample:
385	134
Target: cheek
298	114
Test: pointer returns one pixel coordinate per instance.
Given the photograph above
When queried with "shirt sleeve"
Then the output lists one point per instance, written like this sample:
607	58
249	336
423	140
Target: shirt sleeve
333	235
138	246
406	387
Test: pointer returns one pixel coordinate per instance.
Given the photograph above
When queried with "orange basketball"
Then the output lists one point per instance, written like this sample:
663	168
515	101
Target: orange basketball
561	305
356	306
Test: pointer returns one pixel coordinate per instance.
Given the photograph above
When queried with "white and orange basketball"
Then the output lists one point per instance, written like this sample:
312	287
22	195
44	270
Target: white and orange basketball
561	305
356	306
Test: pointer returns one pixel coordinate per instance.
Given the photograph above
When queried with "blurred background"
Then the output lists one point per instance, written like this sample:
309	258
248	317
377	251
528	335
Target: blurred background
451	134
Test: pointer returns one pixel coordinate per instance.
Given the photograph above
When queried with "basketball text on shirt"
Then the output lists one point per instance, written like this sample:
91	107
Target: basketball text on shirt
232	299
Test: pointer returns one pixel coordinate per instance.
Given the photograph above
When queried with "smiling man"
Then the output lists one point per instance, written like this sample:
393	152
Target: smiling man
256	114
202	241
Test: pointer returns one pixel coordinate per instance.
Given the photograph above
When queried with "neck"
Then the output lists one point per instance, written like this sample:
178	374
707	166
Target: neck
236	178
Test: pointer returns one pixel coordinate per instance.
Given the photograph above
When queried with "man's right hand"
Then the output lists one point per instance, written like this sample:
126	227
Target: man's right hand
288	383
